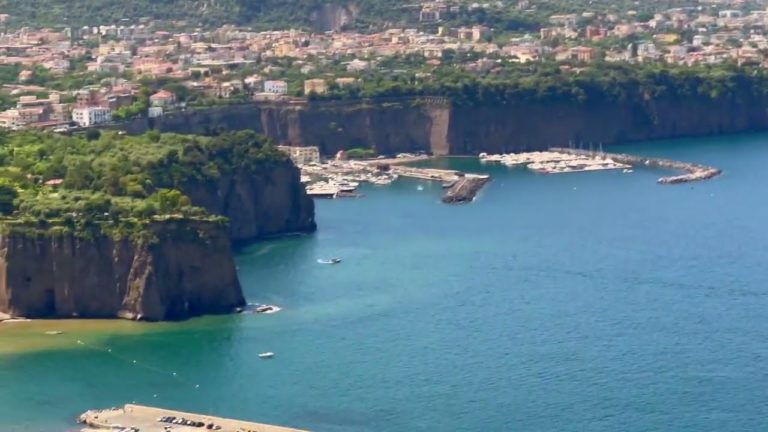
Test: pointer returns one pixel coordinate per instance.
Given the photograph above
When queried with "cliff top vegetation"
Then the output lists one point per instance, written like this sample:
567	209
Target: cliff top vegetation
506	82
114	182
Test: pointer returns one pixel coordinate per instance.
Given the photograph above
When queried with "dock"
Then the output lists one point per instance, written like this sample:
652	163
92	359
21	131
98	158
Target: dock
691	171
148	419
431	174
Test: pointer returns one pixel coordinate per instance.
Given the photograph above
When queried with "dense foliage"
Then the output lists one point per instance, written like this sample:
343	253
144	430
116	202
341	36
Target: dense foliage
116	181
261	14
542	82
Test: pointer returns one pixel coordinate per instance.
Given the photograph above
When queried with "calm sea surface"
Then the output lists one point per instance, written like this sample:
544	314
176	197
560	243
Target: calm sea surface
596	301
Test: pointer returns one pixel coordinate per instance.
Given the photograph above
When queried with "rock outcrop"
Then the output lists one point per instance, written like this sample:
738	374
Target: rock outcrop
183	269
259	204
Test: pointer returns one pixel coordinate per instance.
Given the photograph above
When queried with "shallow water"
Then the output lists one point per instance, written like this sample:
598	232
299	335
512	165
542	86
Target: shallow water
595	301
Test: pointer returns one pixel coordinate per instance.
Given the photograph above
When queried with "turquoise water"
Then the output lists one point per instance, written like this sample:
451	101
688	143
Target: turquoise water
596	301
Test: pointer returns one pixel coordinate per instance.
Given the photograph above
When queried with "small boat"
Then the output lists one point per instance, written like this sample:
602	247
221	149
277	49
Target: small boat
54	332
627	171
267	309
420	187
330	261
266	355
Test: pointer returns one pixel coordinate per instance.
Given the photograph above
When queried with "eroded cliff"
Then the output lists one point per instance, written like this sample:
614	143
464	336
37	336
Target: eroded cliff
180	269
259	203
438	126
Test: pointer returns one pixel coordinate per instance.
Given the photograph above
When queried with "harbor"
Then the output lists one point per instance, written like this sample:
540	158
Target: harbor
339	178
691	171
555	161
138	418
567	160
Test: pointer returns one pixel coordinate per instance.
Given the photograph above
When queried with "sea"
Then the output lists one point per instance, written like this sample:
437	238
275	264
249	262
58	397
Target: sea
572	302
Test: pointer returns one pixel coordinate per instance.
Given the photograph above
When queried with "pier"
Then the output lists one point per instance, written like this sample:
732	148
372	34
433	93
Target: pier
138	418
692	172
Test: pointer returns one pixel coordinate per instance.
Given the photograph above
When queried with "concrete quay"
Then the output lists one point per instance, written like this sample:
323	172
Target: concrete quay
138	418
691	171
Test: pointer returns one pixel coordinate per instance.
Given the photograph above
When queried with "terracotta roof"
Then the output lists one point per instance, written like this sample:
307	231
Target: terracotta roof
162	94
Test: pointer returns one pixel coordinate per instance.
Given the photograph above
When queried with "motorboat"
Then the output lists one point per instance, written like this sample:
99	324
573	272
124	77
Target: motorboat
266	355
330	261
627	171
267	309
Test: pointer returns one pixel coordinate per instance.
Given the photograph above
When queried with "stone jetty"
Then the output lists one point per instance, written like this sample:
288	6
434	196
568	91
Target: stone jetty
465	189
149	419
691	171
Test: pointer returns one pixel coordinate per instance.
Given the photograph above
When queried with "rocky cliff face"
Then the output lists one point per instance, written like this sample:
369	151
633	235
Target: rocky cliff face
185	271
259	204
406	125
330	16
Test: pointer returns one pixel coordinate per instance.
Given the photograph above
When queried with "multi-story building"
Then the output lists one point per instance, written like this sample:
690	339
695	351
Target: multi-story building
316	85
91	116
302	155
276	87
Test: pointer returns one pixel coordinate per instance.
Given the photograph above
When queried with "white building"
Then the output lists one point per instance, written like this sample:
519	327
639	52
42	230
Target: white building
91	116
302	155
155	112
276	87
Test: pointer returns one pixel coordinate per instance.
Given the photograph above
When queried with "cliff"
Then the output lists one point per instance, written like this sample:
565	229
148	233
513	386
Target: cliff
260	203
438	126
183	269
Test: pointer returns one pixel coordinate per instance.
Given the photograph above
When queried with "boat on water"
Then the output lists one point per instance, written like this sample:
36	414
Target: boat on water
627	171
347	186
266	355
329	261
420	187
266	309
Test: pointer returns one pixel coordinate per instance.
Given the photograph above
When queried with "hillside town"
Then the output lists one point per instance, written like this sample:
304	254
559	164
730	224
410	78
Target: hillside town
95	75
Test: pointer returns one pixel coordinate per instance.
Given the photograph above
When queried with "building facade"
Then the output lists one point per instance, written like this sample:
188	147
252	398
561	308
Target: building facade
91	116
276	87
302	155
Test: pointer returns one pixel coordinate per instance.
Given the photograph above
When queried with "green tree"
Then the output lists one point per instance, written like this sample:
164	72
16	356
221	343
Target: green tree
8	195
92	134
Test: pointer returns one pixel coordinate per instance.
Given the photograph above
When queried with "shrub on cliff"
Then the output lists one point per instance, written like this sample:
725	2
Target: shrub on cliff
360	153
8	195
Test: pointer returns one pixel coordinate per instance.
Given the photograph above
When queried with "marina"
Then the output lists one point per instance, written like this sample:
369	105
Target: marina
138	418
691	171
555	161
567	160
341	178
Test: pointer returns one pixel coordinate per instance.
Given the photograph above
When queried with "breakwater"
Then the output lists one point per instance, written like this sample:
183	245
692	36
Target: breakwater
465	189
691	171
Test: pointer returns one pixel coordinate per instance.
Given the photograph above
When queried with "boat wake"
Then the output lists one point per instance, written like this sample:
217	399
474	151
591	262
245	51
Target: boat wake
329	261
261	308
